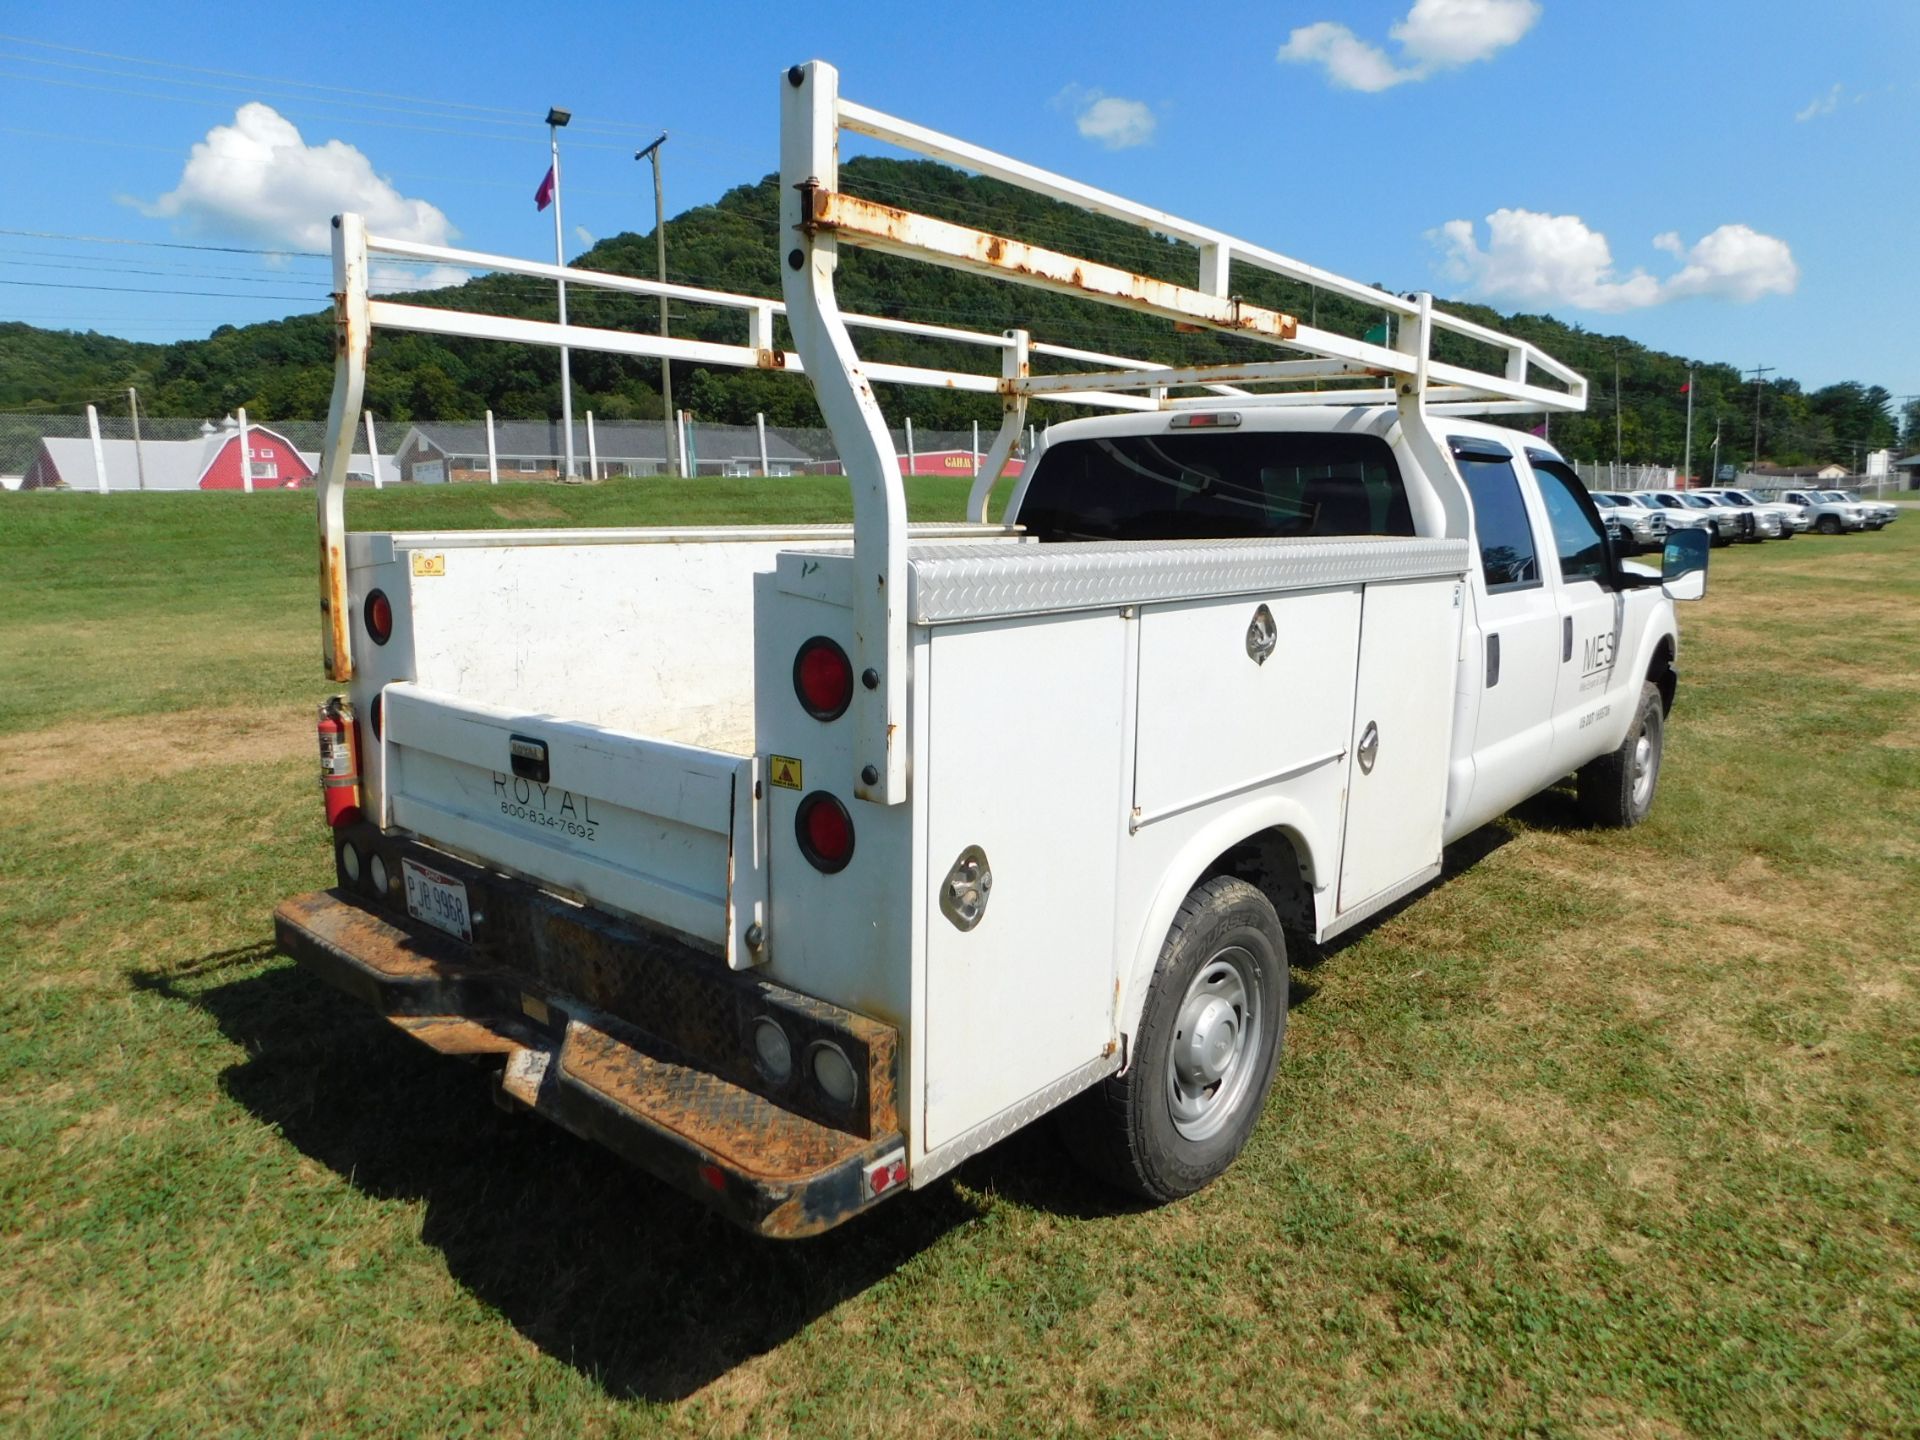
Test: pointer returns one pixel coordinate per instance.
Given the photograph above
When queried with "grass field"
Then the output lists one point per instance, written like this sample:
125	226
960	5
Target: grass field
1609	1134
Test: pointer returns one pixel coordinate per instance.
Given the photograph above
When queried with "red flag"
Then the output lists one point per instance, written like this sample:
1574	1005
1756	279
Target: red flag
543	197
1686	387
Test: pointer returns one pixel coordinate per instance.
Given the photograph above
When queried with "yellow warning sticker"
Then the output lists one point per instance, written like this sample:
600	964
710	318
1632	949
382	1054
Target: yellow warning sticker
785	771
429	564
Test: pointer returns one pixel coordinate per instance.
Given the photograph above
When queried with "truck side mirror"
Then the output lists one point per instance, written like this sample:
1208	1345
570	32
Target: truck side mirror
1683	564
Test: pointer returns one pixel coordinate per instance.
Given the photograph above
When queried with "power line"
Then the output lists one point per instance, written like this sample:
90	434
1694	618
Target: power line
144	290
328	120
517	117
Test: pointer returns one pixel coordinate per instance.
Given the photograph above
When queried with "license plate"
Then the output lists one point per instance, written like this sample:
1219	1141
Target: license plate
438	899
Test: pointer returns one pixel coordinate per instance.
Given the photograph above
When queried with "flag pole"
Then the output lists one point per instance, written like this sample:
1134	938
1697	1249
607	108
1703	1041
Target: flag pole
555	119
1686	468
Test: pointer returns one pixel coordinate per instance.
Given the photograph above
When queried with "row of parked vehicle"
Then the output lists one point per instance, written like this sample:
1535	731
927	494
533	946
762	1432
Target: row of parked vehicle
1642	519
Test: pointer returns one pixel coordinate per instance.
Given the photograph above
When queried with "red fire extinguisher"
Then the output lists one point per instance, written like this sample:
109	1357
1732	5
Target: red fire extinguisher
339	762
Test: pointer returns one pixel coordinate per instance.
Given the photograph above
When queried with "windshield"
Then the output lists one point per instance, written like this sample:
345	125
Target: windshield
1831	495
1740	497
1698	502
1216	485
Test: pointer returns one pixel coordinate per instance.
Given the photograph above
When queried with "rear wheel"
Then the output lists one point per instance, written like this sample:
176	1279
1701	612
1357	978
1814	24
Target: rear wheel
1616	790
1204	1056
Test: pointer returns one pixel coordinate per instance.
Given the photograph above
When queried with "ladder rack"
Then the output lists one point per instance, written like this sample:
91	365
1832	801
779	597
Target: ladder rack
816	218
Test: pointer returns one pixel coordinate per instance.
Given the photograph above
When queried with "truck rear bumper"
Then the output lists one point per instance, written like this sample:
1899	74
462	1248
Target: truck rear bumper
763	1165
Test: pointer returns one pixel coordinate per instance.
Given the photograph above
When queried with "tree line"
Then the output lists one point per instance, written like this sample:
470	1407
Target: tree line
283	369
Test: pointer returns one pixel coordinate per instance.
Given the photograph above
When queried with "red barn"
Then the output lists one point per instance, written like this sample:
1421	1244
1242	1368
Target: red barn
276	464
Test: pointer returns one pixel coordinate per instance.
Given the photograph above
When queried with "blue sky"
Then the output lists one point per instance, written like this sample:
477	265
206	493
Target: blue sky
1732	182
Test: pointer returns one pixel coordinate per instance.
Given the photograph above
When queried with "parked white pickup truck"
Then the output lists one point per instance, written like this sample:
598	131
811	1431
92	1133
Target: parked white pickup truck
797	865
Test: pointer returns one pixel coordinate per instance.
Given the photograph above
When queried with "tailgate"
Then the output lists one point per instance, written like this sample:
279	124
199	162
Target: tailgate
664	832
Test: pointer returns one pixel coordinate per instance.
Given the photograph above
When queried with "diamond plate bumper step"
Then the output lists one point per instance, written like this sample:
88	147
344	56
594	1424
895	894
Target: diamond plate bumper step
762	1165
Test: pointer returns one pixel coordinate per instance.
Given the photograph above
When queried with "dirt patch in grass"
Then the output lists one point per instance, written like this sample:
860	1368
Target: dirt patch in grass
136	748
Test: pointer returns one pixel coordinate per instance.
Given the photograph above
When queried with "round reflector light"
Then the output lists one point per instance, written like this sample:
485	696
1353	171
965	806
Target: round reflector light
378	615
823	679
833	1072
774	1050
350	862
377	872
825	832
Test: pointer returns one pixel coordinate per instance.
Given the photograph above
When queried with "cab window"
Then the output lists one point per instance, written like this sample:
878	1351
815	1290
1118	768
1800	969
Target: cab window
1578	534
1507	558
1205	484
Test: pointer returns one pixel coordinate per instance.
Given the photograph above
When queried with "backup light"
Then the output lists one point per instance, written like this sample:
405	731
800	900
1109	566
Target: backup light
379	617
833	1072
350	863
377	872
773	1049
823	679
824	831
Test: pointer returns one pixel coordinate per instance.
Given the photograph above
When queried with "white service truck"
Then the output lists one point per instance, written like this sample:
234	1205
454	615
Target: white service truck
798	865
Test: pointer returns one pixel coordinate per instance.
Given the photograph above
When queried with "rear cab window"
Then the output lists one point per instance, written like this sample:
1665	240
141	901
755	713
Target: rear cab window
1215	485
1507	557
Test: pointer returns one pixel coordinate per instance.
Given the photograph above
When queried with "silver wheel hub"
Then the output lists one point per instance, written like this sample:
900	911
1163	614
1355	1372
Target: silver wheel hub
1211	1064
1646	762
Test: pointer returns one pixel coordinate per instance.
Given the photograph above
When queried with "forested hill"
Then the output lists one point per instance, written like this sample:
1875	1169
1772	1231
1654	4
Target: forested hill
283	369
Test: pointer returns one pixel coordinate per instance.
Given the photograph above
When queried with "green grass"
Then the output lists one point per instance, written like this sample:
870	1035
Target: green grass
1610	1134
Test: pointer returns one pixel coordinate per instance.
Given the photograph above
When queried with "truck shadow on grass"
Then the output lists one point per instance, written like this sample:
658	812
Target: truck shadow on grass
602	1267
598	1264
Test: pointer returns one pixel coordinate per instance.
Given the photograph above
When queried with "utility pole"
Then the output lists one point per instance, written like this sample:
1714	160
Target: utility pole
1757	372
556	118
652	152
1716	449
1686	467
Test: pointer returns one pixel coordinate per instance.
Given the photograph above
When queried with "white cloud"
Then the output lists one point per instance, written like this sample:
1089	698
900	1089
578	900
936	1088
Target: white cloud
1542	260
1436	35
1109	120
1351	62
1736	262
1822	104
258	179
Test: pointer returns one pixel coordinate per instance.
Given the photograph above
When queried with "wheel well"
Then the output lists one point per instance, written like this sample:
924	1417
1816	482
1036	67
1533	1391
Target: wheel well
1662	673
1272	863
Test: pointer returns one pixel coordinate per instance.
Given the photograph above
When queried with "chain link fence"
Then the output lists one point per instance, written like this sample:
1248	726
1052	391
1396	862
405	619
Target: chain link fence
168	453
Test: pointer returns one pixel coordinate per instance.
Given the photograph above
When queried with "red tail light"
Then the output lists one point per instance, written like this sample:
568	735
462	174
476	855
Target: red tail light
379	617
823	679
825	832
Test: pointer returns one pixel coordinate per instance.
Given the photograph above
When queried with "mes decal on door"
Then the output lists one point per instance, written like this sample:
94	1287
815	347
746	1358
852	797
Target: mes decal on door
546	806
1596	659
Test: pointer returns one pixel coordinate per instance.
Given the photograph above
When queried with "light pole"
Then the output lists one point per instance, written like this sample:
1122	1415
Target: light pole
1686	465
652	152
556	118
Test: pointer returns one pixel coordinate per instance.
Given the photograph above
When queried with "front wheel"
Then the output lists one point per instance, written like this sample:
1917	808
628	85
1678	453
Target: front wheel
1828	525
1203	1057
1616	790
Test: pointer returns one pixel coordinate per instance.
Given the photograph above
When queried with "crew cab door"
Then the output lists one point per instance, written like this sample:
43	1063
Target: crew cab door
1519	627
1590	613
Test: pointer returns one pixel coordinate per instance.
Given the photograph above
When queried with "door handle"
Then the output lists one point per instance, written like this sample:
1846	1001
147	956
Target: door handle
1493	661
1566	638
